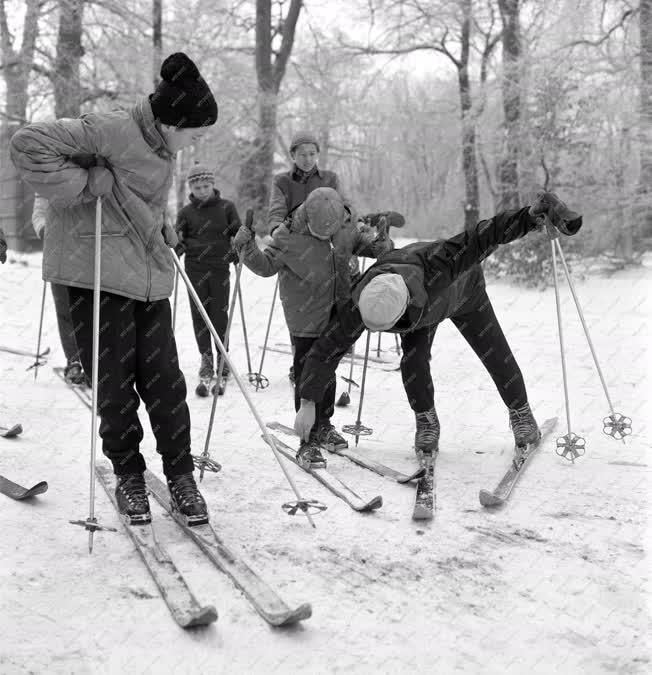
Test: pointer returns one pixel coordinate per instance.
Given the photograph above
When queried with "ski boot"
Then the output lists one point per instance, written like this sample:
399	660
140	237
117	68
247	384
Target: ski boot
309	454
220	387
206	374
131	495
187	500
523	426
426	439
73	373
565	220
328	435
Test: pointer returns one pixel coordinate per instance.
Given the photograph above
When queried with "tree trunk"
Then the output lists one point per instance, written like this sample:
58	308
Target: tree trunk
645	121
157	39
508	168
16	200
469	159
67	86
257	166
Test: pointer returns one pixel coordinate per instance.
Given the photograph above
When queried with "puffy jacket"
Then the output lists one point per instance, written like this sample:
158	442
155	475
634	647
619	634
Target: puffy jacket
307	269
205	226
136	261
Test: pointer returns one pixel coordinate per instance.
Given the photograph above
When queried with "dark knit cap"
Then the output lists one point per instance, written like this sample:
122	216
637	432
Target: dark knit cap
182	98
303	137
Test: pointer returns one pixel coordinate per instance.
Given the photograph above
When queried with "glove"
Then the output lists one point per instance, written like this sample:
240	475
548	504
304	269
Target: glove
87	161
3	248
100	181
232	256
394	219
169	235
305	419
180	249
243	236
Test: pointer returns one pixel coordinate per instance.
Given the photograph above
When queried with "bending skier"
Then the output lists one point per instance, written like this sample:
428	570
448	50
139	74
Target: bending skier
125	157
410	291
313	278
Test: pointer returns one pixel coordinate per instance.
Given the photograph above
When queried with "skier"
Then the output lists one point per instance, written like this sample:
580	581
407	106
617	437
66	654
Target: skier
291	188
126	158
73	371
205	227
312	281
410	291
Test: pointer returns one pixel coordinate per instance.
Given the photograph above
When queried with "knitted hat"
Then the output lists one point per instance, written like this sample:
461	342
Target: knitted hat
182	98
200	172
325	212
303	137
383	301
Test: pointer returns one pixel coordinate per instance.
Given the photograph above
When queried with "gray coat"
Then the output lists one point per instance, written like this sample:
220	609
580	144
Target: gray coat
136	261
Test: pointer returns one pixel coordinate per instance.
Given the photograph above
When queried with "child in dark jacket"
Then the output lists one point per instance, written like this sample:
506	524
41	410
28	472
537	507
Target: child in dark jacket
205	227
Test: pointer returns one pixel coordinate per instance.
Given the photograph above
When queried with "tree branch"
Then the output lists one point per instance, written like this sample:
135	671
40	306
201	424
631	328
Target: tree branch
596	43
289	29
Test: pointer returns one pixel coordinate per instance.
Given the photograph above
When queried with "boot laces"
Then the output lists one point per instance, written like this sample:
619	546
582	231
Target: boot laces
133	488
520	420
185	490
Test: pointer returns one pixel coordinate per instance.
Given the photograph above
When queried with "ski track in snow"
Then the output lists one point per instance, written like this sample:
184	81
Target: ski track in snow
553	582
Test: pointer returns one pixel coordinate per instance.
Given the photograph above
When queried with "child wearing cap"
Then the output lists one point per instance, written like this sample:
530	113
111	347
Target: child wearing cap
205	227
311	255
126	158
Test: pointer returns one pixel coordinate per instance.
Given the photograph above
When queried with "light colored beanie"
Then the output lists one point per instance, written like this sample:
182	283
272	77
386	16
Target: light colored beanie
303	137
325	212
200	172
383	301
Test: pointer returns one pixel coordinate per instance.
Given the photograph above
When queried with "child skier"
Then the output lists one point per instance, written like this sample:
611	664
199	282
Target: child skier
312	281
291	188
410	291
205	227
125	157
73	371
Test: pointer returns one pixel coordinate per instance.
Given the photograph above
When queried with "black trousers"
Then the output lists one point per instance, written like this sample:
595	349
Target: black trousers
137	359
326	407
481	330
212	284
64	321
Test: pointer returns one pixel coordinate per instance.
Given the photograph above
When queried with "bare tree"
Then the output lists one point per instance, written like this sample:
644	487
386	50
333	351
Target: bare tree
271	63
157	38
15	200
65	76
511	39
645	119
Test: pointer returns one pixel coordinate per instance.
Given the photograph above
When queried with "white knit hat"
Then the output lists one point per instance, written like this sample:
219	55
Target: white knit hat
383	301
324	212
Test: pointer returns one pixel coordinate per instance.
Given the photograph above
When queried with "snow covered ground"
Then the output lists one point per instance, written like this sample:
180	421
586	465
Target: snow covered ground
554	582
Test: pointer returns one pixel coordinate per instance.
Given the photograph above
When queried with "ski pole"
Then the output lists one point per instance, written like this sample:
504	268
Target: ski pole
345	396
174	303
358	429
378	349
264	382
569	446
616	425
203	462
301	504
37	364
91	523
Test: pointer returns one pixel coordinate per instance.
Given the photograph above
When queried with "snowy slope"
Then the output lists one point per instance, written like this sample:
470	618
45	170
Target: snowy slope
552	583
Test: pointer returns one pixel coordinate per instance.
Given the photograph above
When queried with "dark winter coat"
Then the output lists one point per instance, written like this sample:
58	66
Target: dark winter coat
136	261
290	189
205	228
307	270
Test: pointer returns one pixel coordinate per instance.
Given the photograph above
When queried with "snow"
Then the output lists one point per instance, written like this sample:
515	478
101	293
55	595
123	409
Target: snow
553	582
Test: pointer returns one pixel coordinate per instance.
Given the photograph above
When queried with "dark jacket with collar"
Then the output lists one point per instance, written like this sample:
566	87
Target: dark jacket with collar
205	227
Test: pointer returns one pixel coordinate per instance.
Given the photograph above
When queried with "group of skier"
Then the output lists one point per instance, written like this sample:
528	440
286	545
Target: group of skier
126	158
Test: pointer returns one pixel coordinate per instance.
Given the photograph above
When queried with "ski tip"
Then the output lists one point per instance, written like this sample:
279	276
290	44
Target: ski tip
404	480
203	617
301	613
422	513
373	504
14	431
489	498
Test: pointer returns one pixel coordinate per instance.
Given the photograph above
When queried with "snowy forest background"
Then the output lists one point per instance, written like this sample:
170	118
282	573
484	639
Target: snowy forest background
446	110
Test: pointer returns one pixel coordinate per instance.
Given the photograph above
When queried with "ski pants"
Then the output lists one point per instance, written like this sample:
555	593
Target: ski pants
480	328
137	360
212	284
64	321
